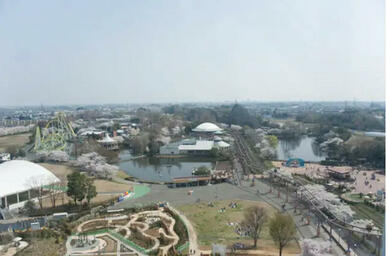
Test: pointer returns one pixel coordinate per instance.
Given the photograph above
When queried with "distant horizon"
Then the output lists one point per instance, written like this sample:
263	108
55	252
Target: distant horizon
195	102
95	52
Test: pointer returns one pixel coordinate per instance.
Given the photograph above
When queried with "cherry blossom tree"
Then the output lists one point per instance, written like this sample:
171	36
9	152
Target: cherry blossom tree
56	156
312	247
94	164
15	130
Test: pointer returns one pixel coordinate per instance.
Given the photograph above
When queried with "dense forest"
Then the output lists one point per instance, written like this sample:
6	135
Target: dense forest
236	114
352	119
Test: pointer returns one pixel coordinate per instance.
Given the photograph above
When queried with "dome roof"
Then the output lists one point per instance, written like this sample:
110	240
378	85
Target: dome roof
207	127
20	175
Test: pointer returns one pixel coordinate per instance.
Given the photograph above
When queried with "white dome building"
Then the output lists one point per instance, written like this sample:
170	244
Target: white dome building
19	180
207	127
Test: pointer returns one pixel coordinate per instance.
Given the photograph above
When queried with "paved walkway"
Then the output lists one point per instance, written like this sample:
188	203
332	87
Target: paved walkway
193	244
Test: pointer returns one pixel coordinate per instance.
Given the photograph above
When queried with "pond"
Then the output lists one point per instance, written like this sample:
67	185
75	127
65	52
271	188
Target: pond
304	148
160	169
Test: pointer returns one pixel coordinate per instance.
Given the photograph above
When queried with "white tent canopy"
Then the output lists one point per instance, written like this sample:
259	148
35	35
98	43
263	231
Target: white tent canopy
17	176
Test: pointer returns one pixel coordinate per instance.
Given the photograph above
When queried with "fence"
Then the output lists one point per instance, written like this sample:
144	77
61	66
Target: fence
183	247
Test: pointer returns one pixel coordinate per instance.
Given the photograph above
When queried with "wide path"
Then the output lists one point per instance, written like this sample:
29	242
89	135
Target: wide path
193	243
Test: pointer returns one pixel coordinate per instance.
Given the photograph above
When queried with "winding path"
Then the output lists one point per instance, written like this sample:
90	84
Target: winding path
193	245
142	227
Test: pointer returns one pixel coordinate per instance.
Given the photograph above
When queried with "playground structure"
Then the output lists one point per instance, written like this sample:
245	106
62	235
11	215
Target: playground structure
142	233
125	195
55	135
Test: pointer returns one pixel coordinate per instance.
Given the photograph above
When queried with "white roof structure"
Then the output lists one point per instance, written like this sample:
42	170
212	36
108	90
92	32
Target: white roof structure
91	132
199	145
222	144
19	175
207	127
107	140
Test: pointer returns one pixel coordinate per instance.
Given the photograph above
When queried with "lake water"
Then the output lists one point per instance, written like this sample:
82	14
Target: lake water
303	147
375	134
160	169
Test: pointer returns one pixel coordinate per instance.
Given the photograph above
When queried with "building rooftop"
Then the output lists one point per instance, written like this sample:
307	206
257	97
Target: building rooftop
200	145
20	175
207	127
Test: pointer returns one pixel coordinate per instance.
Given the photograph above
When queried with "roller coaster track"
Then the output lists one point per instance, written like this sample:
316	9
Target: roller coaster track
245	155
55	135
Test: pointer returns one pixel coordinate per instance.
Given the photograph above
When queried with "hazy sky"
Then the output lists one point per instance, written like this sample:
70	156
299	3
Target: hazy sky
133	51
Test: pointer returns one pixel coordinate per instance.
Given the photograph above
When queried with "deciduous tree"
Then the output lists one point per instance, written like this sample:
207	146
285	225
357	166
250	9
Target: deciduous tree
76	186
90	190
254	219
282	230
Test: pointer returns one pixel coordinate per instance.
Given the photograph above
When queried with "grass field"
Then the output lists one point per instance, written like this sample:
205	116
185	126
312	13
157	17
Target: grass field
366	212
107	190
43	247
16	141
122	175
60	170
212	226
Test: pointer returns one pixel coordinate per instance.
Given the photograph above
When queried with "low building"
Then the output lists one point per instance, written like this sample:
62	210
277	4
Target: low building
21	180
340	173
219	143
170	149
193	147
109	143
91	132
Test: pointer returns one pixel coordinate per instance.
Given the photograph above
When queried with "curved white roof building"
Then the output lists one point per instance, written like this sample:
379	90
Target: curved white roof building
17	176
207	127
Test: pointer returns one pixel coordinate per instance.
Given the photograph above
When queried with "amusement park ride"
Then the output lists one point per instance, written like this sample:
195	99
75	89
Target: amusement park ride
55	135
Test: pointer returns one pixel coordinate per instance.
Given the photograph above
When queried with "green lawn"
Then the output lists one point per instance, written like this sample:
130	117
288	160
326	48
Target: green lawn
211	225
140	190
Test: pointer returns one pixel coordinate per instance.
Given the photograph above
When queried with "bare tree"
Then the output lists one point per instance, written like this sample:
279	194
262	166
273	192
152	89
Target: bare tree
54	190
254	219
37	183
